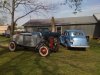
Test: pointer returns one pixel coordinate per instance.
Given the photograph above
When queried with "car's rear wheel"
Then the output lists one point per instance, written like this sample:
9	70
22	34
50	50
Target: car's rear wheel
12	46
44	51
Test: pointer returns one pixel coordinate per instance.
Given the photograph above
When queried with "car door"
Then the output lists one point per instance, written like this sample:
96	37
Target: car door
27	40
19	39
66	38
62	39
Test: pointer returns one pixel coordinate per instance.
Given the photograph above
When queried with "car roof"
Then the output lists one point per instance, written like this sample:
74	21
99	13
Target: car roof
74	30
26	33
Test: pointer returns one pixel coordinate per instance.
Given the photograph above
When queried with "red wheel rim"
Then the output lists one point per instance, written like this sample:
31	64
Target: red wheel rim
43	50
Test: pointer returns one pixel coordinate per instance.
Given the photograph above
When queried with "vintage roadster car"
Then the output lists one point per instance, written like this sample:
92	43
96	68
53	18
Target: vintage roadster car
74	39
43	42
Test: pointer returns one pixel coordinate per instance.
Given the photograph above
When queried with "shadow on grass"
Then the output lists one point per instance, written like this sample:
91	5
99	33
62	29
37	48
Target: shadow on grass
74	49
77	49
10	69
16	64
7	68
45	66
4	50
26	49
3	47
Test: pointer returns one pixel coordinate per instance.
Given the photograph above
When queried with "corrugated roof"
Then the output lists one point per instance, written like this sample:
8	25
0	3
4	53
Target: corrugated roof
38	22
78	20
62	21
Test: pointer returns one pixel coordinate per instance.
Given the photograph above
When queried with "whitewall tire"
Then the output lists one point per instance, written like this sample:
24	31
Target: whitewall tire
12	46
44	51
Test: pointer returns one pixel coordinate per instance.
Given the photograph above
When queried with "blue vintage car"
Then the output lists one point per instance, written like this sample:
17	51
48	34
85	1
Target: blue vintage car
74	39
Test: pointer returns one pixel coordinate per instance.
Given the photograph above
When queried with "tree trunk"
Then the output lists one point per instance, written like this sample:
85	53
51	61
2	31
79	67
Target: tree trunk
12	21
12	28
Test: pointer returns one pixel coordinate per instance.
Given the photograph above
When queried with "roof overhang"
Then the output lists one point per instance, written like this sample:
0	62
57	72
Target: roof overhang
97	17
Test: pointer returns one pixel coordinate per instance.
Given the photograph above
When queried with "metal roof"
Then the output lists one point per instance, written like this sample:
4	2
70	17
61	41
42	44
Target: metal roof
78	20
62	21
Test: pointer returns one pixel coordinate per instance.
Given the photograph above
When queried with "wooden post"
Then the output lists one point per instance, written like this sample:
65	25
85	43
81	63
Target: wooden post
53	24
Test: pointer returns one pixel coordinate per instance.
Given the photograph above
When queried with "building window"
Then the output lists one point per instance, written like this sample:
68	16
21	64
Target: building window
59	29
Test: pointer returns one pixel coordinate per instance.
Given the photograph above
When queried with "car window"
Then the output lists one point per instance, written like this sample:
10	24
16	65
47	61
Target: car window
77	34
66	33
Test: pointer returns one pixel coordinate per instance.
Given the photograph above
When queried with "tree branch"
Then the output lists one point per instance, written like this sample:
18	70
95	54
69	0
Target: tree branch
25	15
74	4
17	4
8	10
36	9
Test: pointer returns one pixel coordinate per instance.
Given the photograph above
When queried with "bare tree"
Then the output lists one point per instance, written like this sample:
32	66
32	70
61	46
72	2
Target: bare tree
3	17
28	6
75	4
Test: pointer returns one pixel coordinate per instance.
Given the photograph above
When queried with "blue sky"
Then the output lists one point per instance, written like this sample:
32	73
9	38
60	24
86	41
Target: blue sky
89	7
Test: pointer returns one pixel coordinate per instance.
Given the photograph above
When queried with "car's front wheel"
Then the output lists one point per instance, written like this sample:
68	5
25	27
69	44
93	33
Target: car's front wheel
44	51
12	46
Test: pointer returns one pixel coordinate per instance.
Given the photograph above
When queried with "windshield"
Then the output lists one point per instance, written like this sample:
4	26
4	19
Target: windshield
77	34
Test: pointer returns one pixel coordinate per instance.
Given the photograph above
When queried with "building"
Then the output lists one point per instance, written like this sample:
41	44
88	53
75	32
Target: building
97	27
19	29
4	29
89	24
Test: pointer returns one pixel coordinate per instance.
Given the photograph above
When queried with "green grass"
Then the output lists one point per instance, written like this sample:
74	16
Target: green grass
64	62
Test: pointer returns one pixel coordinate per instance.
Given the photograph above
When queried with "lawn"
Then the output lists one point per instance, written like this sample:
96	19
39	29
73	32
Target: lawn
64	62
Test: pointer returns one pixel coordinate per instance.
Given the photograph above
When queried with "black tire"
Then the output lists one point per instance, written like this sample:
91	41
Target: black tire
12	46
44	51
